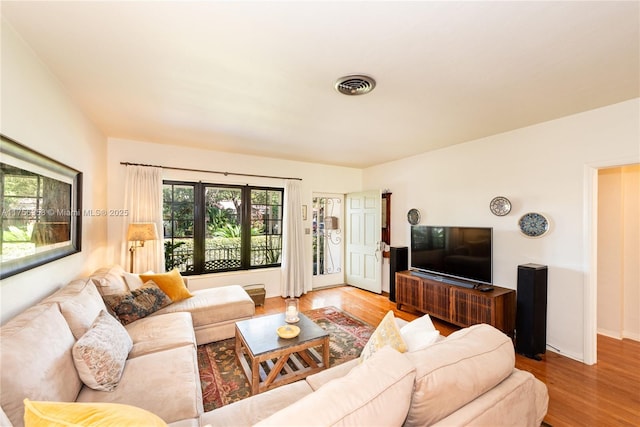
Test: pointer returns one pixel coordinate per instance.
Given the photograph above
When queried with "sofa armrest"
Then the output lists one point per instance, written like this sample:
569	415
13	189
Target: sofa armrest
247	412
519	400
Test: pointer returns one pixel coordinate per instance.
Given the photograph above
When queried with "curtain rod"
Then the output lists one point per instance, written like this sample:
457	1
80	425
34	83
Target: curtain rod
207	171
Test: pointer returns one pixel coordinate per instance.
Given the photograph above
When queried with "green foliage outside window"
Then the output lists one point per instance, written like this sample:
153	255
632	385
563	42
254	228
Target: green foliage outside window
240	227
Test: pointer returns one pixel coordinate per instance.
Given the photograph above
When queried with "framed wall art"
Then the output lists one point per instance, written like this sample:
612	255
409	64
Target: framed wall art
41	209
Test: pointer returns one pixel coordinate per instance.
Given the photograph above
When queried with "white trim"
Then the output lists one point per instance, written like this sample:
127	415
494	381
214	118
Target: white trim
590	254
577	357
610	334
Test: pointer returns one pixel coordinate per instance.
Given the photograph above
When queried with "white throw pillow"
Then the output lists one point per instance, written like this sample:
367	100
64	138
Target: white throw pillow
419	333
100	354
133	281
80	310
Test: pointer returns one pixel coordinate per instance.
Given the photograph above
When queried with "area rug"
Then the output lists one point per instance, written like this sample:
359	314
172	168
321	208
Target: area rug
223	381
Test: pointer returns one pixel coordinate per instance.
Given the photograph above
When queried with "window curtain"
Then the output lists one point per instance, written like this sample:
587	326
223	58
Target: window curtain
294	280
143	199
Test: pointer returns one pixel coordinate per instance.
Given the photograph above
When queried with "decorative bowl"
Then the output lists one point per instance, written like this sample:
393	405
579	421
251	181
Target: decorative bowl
288	331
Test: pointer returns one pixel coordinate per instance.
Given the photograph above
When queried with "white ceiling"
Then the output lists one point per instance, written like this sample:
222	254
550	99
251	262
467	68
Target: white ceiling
257	77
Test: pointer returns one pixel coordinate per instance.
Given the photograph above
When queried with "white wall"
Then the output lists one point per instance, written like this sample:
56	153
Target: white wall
619	252
37	113
539	168
315	178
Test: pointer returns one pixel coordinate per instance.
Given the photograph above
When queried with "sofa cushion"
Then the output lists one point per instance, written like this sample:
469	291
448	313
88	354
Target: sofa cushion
171	283
138	303
386	334
64	414
376	392
419	333
456	370
166	383
100	354
35	353
81	309
215	305
157	333
110	280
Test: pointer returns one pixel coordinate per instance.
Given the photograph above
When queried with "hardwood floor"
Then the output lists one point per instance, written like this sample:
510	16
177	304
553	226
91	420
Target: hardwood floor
605	394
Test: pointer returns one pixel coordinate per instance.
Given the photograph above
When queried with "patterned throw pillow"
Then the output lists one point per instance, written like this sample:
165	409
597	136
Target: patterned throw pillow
386	334
100	354
139	303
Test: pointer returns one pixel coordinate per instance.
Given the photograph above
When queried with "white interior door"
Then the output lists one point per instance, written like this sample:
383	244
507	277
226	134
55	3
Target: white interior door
363	233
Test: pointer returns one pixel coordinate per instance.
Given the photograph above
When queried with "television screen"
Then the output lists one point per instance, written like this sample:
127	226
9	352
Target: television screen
458	252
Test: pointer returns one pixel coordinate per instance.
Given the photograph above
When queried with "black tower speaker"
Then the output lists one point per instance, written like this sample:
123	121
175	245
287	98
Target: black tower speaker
398	261
531	310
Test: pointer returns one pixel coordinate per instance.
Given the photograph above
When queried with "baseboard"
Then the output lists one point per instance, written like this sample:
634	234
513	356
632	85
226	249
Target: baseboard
608	333
554	349
619	336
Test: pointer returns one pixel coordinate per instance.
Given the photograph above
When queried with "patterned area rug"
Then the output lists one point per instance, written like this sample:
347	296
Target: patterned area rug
223	381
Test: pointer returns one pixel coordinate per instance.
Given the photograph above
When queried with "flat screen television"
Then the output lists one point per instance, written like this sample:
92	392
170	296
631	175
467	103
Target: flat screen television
454	252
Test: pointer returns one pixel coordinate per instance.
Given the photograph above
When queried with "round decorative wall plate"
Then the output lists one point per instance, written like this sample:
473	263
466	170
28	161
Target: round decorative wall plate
413	216
533	224
500	206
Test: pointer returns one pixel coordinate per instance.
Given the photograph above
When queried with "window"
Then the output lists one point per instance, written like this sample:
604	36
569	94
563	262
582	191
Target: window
211	227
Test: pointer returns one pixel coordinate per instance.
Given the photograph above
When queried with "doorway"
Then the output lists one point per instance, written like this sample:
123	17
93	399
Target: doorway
618	252
327	240
591	256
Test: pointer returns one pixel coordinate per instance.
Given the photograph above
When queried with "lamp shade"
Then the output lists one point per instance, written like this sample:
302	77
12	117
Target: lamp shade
142	231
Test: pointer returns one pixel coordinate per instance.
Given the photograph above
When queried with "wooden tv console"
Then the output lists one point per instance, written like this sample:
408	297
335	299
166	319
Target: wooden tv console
456	304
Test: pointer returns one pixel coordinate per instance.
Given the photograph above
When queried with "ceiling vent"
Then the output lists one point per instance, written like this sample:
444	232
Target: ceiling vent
355	85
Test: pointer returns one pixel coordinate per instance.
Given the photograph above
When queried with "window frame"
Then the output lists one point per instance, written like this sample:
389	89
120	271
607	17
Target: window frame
245	222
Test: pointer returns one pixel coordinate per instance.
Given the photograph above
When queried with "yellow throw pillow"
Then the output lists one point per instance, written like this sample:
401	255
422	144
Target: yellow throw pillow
386	334
59	414
171	283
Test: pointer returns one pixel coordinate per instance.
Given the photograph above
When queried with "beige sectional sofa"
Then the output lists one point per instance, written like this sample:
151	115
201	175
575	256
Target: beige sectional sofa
161	371
467	378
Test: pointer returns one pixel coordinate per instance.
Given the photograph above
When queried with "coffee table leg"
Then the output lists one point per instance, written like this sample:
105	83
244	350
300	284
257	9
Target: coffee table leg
325	353
255	377
238	346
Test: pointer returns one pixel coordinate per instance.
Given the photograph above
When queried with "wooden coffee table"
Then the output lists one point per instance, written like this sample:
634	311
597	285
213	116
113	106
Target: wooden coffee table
269	361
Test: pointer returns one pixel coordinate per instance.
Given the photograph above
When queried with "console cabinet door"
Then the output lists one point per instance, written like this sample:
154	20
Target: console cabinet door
471	308
409	291
497	308
436	299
